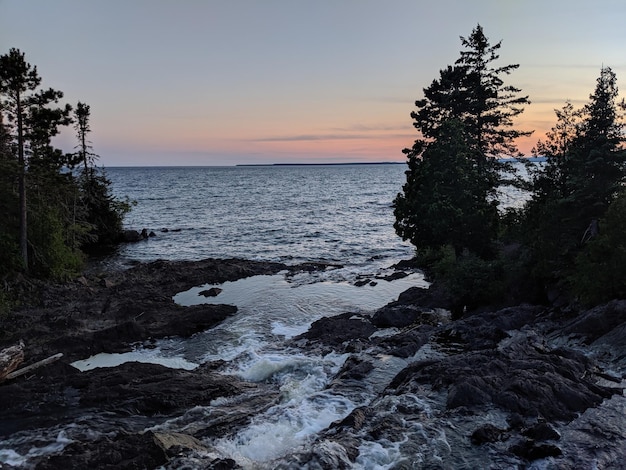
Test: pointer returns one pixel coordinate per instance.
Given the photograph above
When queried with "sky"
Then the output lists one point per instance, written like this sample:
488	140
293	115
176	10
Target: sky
225	82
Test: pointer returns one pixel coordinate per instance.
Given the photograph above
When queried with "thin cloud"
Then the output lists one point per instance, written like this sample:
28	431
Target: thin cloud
365	128
313	137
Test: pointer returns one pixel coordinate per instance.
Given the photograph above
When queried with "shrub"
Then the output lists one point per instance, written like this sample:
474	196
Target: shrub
600	268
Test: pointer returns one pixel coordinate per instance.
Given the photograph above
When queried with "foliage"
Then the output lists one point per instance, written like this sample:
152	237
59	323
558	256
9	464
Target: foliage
600	273
582	176
53	255
448	208
465	121
568	235
441	203
67	212
104	213
18	80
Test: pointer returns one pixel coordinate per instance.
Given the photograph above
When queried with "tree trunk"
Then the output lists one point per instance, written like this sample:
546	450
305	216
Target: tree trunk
22	184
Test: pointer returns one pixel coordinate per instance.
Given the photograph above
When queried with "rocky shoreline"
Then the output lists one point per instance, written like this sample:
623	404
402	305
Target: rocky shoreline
508	387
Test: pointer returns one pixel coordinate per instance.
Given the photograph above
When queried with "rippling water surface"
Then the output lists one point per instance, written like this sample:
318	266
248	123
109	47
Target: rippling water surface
334	213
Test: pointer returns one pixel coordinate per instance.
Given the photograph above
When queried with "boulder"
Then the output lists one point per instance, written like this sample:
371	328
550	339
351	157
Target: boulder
212	292
487	433
130	236
337	330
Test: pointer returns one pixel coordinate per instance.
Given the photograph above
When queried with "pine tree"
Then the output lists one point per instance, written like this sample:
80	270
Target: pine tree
472	95
18	80
103	213
442	204
584	173
84	155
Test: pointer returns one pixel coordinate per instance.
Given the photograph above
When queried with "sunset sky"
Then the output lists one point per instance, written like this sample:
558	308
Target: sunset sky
223	82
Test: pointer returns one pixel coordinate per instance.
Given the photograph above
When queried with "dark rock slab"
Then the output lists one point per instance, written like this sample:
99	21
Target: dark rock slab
598	321
406	343
519	380
124	450
337	330
106	311
61	392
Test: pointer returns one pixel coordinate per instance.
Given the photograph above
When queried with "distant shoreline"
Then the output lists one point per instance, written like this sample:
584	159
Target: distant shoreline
322	164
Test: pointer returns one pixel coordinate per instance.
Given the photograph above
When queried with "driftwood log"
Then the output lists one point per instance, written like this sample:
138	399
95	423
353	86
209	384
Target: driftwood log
10	359
36	365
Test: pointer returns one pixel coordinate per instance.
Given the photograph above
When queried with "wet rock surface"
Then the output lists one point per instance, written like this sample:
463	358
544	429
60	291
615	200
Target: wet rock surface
106	312
494	389
109	312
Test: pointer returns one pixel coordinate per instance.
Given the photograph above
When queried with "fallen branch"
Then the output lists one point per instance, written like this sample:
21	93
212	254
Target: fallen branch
34	366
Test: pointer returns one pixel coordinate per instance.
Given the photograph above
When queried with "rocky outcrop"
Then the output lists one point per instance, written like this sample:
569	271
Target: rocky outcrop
494	389
336	333
518	364
106	312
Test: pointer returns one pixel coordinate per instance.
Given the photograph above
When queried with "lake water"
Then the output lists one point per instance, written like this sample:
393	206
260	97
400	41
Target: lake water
336	213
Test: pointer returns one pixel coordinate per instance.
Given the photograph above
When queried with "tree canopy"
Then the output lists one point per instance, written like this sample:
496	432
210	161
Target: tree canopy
567	232
51	212
465	121
583	175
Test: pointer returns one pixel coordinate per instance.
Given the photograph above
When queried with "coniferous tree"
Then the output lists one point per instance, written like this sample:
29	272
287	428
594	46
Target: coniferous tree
584	172
473	95
104	213
65	213
441	200
18	80
85	155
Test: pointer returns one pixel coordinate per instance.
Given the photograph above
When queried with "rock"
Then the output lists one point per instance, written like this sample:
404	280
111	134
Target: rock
393	277
118	308
400	316
465	393
130	236
354	369
123	450
132	388
530	450
337	330
598	321
432	297
362	282
193	319
212	292
173	442
514	376
487	433
356	420
542	432
406	343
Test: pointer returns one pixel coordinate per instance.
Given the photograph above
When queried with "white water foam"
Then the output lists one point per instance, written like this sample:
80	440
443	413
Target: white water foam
15	459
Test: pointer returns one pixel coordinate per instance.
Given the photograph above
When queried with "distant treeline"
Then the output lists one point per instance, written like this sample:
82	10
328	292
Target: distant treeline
323	164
